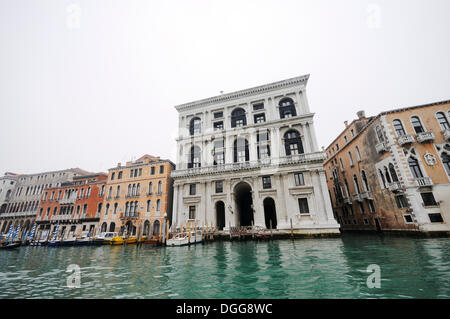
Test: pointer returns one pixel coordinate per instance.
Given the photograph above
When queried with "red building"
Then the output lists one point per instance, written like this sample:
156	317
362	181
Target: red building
75	206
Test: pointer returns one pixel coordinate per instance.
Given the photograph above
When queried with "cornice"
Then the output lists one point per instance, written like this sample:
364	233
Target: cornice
247	92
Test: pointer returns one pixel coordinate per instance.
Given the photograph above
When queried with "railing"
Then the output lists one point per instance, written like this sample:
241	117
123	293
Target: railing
366	195
381	147
425	137
67	201
405	139
127	216
446	134
347	200
424	181
357	197
394	186
132	196
293	159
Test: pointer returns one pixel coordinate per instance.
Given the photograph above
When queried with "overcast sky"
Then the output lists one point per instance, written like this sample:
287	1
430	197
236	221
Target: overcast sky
92	83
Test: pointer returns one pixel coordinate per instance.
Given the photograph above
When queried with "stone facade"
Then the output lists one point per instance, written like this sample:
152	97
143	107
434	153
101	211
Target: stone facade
23	204
8	183
391	172
138	197
251	158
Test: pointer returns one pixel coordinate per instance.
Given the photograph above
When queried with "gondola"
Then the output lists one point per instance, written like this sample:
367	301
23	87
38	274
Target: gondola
9	246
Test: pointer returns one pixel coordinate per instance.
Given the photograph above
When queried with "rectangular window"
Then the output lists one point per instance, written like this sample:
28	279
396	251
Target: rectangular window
218	126
192	189
371	206
140	172
258	106
408	219
361	208
219	186
161	169
401	201
260	118
266	182
191	212
152	170
436	218
303	205
299	179
218	115
428	199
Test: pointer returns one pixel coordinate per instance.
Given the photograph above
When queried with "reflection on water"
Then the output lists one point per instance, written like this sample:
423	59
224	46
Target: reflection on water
309	268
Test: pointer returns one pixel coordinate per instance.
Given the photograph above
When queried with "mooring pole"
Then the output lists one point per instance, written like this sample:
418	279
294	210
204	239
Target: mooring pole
292	230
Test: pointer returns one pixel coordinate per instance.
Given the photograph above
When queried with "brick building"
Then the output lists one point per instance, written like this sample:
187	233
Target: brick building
74	205
391	172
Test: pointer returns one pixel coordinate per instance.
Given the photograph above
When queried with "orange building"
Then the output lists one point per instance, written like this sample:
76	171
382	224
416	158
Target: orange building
138	197
391	172
75	206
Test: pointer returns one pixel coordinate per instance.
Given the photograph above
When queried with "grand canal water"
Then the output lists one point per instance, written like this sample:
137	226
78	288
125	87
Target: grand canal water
308	268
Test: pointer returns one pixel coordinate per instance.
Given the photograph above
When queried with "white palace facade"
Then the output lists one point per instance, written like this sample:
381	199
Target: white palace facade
251	158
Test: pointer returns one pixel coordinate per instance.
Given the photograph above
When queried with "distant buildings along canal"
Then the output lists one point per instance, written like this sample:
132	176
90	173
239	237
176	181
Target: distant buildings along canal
251	158
391	172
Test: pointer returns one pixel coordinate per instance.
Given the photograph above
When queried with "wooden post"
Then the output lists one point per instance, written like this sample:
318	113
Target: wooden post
229	223
253	229
292	229
271	235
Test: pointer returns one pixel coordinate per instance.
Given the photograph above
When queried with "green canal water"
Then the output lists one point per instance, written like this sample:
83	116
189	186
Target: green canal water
307	268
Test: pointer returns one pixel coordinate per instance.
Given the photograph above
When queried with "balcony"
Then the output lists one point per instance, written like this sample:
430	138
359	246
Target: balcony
424	181
347	200
367	195
129	216
405	139
381	147
317	157
132	196
425	137
117	197
357	197
66	201
446	134
395	186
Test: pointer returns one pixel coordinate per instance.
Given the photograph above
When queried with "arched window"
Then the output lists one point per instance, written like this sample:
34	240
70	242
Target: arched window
346	188
127	208
442	120
358	154
241	151
238	118
287	108
159	187
194	157
149	205
150	188
398	126
112	227
146	230
414	167
135	208
158	205
417	125
364	178
129	190
115	208
382	178
350	158
446	162
393	173
118	191
195	126
355	180
107	209
388	176
138	189
293	143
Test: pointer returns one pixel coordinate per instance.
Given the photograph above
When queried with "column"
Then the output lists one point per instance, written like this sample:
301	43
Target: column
306	139
312	132
252	146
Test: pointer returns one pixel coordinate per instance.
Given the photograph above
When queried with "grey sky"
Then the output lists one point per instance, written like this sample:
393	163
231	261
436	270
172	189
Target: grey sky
91	83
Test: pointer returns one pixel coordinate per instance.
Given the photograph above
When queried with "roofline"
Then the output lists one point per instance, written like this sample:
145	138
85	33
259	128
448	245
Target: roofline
147	163
246	92
373	118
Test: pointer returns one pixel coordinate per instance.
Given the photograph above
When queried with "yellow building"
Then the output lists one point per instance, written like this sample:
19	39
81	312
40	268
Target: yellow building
138	197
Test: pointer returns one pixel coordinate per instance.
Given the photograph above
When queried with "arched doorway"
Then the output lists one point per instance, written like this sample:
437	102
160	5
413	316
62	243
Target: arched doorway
156	228
220	215
103	229
112	227
244	204
270	214
131	229
146	228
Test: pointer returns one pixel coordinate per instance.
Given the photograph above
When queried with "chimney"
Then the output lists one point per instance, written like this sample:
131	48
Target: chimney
346	123
361	114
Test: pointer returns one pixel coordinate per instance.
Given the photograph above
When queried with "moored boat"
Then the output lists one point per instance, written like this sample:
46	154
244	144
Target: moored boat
187	238
104	238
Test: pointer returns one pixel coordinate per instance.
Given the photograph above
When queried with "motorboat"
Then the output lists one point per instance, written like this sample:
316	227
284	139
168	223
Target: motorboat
54	243
104	238
186	238
152	241
9	246
119	240
84	239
